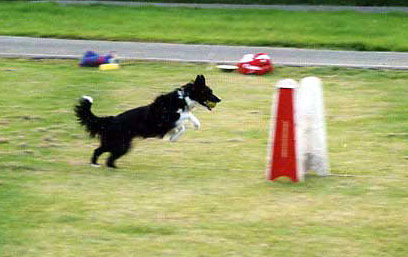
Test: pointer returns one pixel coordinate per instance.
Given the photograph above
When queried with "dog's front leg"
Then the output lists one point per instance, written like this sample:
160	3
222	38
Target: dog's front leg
189	116
194	120
179	131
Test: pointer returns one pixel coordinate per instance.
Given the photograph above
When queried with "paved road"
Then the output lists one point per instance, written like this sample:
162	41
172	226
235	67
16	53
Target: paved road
28	47
323	8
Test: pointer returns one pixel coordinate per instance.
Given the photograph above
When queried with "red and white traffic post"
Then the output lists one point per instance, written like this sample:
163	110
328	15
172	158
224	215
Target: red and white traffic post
297	141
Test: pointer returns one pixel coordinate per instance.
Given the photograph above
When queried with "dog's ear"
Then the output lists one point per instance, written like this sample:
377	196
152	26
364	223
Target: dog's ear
200	80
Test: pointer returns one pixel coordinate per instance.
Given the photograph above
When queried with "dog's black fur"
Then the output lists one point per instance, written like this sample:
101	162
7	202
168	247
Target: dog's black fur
153	120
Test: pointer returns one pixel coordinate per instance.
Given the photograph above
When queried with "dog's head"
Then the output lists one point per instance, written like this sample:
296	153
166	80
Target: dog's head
198	91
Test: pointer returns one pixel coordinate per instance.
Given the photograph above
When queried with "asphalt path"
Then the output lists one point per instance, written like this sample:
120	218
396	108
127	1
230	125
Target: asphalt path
28	47
302	8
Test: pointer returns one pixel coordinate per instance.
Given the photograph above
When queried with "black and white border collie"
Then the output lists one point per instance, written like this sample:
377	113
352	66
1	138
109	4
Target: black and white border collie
166	115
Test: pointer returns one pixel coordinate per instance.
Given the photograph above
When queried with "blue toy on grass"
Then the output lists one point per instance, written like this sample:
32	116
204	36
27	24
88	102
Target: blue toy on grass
92	59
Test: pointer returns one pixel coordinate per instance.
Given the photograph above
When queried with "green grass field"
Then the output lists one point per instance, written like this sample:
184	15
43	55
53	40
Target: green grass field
267	2
309	2
340	30
205	195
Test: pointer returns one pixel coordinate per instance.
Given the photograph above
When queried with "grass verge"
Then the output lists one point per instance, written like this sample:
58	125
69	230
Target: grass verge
340	30
206	194
289	2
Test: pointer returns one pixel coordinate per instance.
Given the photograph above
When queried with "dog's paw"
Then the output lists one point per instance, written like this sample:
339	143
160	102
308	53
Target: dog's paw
197	125
95	165
174	138
195	122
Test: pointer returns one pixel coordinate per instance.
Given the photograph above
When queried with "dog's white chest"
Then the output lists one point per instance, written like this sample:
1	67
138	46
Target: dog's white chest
184	116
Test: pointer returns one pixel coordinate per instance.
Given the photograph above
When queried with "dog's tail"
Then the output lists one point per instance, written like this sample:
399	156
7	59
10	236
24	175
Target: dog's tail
94	125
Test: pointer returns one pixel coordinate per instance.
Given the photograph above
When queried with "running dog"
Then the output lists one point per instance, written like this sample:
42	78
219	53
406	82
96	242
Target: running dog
166	115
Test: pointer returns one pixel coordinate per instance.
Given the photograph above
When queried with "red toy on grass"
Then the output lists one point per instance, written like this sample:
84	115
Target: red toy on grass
258	64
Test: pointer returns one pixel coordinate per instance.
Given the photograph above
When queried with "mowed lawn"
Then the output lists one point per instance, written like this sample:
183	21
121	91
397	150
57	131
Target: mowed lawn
289	2
339	30
205	195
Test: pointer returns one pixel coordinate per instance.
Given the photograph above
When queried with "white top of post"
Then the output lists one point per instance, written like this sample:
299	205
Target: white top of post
287	83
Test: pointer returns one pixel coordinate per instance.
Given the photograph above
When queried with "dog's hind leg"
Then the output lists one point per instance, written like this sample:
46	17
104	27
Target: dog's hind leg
98	151
116	153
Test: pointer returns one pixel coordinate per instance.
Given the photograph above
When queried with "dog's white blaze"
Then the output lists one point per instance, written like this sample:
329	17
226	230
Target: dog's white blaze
90	99
190	103
180	94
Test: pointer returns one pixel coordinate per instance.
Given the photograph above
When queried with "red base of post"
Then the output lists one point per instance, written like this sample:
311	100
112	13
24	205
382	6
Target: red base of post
284	146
